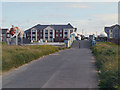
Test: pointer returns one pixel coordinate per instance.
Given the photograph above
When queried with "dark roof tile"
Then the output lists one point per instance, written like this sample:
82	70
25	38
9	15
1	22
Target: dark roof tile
4	31
56	27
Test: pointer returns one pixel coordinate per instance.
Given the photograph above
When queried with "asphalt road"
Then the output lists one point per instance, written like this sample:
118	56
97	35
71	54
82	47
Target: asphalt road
70	68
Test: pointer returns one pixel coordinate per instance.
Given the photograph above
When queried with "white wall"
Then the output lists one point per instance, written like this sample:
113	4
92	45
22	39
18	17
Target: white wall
48	28
68	35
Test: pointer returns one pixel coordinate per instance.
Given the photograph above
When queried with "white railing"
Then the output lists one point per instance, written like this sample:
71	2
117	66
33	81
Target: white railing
70	41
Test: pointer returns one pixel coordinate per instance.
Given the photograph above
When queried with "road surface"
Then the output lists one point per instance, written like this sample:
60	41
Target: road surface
70	68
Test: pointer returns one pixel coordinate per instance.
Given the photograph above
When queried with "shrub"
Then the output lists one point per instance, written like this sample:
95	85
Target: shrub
15	56
106	55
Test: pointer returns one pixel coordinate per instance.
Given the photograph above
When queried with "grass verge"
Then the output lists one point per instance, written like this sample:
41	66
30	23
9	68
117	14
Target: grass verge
15	56
107	58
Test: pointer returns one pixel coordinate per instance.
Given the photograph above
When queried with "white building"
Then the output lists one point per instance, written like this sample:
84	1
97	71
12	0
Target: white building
50	32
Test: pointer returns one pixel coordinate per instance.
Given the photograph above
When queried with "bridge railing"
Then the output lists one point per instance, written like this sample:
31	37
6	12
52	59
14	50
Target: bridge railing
69	41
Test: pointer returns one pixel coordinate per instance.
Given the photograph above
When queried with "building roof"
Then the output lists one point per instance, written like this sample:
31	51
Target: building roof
107	27
115	26
4	30
112	26
57	27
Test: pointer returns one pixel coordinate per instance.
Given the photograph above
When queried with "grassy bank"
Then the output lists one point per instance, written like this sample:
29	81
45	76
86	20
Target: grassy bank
15	56
106	55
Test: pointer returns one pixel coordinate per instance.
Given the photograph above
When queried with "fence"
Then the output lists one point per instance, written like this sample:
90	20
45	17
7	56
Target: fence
70	41
20	41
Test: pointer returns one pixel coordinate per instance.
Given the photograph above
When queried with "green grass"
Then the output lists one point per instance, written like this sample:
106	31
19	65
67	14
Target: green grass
107	57
15	56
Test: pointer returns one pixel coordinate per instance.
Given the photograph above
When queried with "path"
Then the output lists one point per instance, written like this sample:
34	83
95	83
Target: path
70	68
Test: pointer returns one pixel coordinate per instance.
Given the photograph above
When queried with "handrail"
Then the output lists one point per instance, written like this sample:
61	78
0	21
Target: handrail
69	41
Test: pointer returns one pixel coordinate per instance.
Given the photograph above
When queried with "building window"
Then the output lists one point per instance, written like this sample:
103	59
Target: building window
66	30
56	35
111	35
60	30
34	38
41	35
8	35
27	34
116	31
33	30
24	35
60	35
51	36
46	31
3	35
46	35
51	30
71	31
40	30
33	34
56	30
116	35
51	33
46	38
65	36
66	33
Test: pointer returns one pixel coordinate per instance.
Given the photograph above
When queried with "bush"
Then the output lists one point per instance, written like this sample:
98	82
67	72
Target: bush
15	56
106	55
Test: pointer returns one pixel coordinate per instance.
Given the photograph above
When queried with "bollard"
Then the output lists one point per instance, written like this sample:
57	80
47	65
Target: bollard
39	41
31	41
